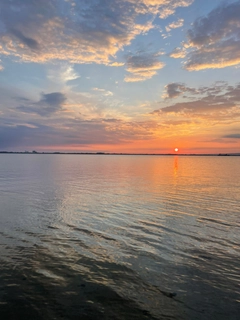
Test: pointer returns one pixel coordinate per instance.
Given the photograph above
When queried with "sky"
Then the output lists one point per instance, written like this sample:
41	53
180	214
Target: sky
136	76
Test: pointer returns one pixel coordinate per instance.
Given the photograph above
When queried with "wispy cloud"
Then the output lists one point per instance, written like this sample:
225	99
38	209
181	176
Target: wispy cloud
232	136
62	72
174	25
178	53
103	92
168	7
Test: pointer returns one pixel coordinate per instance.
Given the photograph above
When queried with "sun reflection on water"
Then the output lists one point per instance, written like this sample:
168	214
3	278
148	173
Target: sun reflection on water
175	171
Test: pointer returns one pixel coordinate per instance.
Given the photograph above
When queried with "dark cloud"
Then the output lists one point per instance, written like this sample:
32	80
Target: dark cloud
173	90
74	132
48	104
54	99
215	39
81	133
217	98
218	88
219	140
232	136
31	43
176	89
219	24
142	66
13	136
202	105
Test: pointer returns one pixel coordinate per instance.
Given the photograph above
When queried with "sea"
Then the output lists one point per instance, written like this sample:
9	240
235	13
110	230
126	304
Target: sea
119	237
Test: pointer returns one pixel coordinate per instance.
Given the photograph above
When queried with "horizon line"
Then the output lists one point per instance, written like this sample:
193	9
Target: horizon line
120	153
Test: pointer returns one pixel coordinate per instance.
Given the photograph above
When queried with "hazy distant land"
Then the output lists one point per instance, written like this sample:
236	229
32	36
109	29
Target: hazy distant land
122	153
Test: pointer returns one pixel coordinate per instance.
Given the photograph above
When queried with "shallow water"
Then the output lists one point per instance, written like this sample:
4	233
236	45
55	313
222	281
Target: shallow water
112	237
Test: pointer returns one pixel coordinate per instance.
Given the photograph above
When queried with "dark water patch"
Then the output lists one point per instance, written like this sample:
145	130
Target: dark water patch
93	233
52	227
218	221
76	286
70	295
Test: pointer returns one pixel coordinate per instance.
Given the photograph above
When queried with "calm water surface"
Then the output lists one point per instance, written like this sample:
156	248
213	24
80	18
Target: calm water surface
113	237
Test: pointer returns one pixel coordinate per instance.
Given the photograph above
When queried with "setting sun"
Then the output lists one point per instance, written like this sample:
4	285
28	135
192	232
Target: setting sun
176	149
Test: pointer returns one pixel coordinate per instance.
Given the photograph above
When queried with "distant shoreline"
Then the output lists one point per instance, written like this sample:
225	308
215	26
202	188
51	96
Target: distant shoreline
121	153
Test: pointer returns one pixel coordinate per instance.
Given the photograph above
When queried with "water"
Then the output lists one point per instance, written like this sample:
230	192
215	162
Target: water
113	237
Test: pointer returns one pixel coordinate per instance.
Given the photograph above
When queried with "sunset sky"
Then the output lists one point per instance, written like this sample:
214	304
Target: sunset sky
139	76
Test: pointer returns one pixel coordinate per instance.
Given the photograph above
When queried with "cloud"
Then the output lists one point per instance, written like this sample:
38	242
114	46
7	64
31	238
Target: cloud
169	7
80	32
161	8
202	111
73	133
103	92
174	25
55	99
219	103
52	121
197	106
84	33
220	140
13	136
176	89
31	43
1	67
173	90
62	73
142	66
178	53
214	40
164	8
49	103
232	136
117	64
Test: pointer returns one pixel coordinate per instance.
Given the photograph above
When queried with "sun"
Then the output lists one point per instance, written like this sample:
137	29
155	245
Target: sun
176	149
